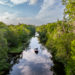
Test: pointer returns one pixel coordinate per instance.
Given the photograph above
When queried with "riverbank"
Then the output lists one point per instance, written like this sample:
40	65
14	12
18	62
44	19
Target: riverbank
13	40
13	55
58	68
60	42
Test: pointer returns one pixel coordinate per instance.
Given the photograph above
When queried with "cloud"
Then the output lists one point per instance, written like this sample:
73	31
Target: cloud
45	7
7	17
2	3
18	1
47	3
31	2
50	11
5	3
11	18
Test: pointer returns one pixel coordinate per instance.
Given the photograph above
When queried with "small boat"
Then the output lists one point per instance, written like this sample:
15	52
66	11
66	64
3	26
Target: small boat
36	50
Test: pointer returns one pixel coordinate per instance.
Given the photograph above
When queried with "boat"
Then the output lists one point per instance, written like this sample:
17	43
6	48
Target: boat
36	50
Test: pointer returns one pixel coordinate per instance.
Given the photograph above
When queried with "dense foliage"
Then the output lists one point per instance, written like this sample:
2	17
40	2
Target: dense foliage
12	40
70	8
60	40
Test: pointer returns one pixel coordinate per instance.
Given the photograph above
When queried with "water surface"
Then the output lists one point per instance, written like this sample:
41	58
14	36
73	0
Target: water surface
32	63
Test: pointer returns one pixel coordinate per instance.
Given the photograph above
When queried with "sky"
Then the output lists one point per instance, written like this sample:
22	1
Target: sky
35	12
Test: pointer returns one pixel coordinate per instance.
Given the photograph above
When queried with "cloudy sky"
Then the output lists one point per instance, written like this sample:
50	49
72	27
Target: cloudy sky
30	11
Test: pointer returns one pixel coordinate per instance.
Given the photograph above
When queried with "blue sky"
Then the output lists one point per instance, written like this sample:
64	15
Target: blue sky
35	12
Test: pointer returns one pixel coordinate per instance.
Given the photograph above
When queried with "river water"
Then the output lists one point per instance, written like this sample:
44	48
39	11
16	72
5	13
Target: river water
31	63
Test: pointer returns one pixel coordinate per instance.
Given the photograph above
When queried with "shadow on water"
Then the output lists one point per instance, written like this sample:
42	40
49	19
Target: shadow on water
58	68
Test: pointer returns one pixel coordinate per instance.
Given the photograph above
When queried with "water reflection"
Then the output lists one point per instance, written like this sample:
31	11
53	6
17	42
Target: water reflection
32	63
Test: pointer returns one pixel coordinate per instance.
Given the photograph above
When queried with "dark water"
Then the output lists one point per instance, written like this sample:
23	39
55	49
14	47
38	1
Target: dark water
32	63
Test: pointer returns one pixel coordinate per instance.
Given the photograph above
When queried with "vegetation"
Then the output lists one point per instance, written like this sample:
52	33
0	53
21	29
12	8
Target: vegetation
59	38
12	40
60	42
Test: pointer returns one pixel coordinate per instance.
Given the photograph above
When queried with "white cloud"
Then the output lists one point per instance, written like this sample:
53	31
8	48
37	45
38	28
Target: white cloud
44	8
47	3
18	1
5	3
49	12
11	18
32	2
2	3
7	17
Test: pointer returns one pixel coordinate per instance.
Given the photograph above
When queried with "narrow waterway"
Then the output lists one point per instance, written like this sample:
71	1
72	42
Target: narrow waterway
31	63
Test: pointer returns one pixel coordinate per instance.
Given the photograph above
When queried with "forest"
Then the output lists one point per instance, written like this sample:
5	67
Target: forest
59	38
13	40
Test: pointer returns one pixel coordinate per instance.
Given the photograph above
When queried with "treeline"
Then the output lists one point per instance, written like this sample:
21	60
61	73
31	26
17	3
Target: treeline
59	38
12	40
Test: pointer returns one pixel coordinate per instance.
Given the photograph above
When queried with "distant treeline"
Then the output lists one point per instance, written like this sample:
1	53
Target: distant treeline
12	40
59	37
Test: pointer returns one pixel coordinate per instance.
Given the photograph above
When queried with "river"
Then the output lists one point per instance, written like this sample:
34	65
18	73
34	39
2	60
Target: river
31	63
